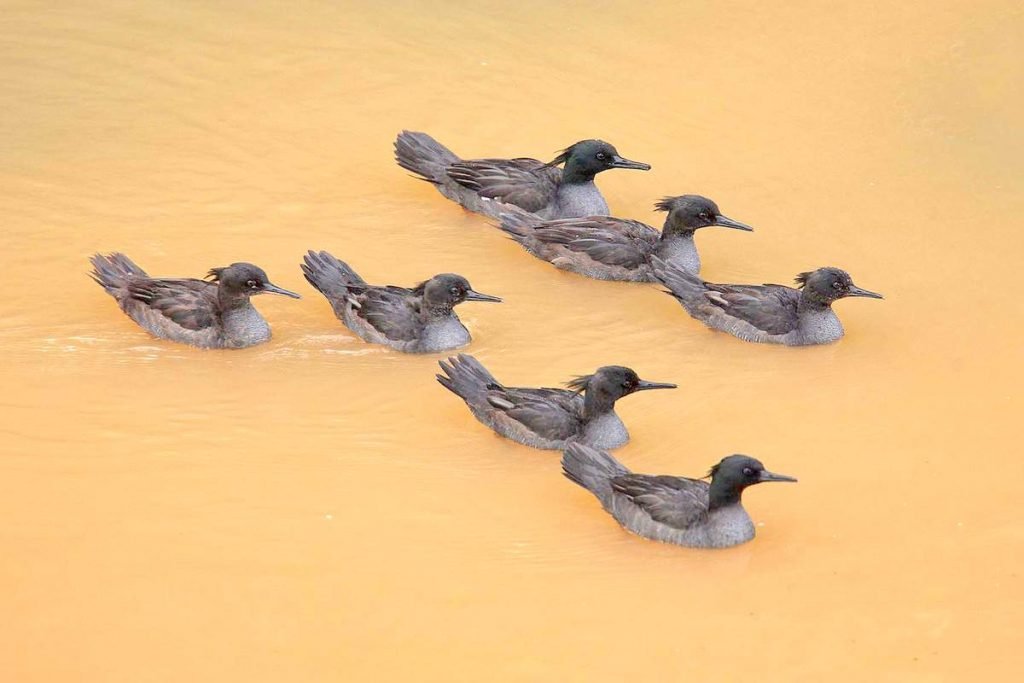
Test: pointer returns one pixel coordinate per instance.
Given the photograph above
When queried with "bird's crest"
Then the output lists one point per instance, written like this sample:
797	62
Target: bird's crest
563	155
666	204
214	274
713	471
579	384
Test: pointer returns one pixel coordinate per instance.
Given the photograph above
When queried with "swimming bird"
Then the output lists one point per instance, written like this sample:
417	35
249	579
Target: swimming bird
767	313
609	248
678	510
486	185
420	319
547	418
210	315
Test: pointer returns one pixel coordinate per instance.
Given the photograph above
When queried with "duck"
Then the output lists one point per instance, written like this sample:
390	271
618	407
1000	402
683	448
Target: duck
608	248
547	418
678	510
210	314
487	186
770	314
418	319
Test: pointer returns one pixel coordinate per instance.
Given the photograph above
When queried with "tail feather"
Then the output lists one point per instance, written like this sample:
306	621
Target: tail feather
517	222
681	283
465	377
592	469
423	155
114	271
331	277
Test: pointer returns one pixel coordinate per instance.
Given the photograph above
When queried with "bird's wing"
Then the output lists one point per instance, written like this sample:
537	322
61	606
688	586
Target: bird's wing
769	308
675	501
527	183
188	303
554	413
607	240
392	311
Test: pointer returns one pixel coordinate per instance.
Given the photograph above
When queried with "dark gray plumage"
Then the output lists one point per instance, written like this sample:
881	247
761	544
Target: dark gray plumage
547	418
678	510
488	185
609	248
210	315
765	313
420	319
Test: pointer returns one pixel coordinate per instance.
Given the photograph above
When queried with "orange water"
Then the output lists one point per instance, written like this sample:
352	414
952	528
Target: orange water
320	509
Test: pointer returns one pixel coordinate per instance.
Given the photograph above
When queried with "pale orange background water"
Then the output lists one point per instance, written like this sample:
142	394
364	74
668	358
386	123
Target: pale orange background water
320	509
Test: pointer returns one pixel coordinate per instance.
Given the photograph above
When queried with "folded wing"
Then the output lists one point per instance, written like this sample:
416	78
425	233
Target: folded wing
677	502
527	183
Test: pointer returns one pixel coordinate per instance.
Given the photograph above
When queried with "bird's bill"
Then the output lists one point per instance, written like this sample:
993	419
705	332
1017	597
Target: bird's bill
644	384
271	288
477	296
619	162
771	476
857	291
726	222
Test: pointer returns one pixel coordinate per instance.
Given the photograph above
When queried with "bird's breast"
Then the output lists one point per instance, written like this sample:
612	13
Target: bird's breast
605	431
580	199
244	327
728	526
820	327
441	335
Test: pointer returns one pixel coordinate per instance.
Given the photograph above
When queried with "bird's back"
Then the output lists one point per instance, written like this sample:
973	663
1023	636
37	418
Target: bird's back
385	315
675	510
542	417
487	185
755	313
601	247
179	309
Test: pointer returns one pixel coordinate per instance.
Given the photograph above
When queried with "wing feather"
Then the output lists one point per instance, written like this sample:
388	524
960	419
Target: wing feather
678	502
527	183
187	302
392	311
606	240
554	413
770	308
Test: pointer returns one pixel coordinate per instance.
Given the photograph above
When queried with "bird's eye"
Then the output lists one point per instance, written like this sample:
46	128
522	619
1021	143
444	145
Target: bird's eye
251	284
601	156
705	215
454	290
837	285
748	471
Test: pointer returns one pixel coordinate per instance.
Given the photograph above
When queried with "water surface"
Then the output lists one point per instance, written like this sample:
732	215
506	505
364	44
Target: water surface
320	509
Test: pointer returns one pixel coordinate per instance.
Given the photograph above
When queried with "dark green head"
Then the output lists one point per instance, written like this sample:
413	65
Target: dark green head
735	473
247	280
610	383
448	290
689	212
587	158
825	285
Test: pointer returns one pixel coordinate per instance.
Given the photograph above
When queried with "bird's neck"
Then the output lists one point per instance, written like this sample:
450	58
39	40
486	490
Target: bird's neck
679	248
723	494
437	311
232	300
573	173
671	232
596	403
809	303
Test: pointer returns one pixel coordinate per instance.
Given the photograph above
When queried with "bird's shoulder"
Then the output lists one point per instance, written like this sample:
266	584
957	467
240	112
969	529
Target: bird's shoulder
187	302
675	501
